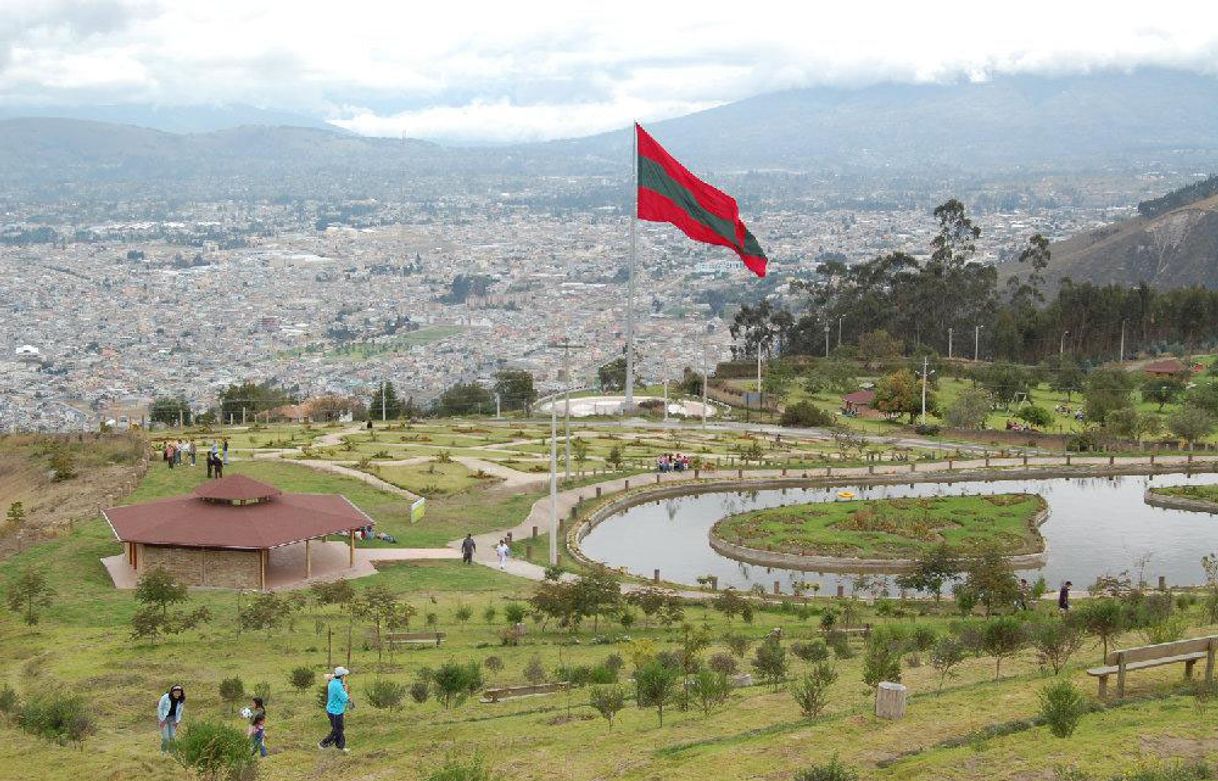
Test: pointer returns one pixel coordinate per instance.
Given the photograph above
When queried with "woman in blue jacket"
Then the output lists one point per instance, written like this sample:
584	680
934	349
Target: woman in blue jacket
169	714
338	699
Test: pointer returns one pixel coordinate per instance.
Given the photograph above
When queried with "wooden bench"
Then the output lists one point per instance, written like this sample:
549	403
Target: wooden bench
1186	652
412	638
511	692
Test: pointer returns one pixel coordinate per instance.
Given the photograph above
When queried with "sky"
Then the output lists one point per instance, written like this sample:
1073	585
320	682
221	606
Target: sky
499	72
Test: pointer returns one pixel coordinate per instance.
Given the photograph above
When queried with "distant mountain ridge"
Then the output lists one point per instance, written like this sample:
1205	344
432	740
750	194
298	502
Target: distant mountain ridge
173	119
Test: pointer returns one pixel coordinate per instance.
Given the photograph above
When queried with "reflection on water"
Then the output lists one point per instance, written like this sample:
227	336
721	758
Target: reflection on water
1096	525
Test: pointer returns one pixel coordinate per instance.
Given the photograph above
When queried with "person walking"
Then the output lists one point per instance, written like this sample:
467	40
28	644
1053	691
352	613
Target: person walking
1024	592
338	699
170	453
169	714
1063	598
225	449
192	452
503	550
468	546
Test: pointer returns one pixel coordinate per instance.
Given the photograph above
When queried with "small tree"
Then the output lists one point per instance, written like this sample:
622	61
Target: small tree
1002	637
1191	424
811	692
709	689
232	691
514	613
302	678
655	686
15	516
1102	618
489	613
834	770
27	593
932	571
882	656
1061	706
385	694
991	580
158	589
738	644
945	656
770	662
535	671
454	681
216	752
607	701
1055	642
614	458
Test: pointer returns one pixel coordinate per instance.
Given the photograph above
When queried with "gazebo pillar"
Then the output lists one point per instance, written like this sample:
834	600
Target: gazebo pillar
262	557
308	560
351	547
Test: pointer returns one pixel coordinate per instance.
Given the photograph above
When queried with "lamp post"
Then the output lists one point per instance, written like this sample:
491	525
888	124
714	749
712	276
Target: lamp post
839	329
1121	354
925	372
949	343
705	334
826	340
977	342
1061	345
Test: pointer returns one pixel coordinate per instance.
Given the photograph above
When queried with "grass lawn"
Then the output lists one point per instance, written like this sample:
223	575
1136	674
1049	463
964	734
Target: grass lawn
1205	493
889	528
430	479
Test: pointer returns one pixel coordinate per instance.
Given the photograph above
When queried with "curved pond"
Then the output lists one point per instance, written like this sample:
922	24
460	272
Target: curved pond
1096	526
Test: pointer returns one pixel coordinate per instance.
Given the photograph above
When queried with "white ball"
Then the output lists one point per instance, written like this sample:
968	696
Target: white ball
246	713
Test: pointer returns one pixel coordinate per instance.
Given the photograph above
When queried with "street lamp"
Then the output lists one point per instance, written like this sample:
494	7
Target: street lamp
949	343
1061	346
1121	355
925	372
827	339
839	329
977	341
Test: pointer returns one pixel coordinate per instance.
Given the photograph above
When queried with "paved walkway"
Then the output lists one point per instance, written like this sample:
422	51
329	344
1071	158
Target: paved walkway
346	471
511	478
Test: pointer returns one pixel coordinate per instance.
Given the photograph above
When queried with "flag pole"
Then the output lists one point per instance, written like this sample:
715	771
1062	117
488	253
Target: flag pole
628	404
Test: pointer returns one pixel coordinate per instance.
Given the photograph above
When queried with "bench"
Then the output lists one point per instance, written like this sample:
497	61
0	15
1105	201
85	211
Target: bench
411	638
1186	652
511	692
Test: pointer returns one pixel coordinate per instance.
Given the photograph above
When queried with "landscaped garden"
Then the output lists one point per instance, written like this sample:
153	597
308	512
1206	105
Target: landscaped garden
891	528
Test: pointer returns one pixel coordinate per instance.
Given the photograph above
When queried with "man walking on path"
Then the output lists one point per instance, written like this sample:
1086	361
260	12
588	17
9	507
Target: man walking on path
468	546
337	700
1063	598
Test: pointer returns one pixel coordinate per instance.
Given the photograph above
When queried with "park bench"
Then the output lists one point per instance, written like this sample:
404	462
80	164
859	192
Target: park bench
413	638
511	692
1186	652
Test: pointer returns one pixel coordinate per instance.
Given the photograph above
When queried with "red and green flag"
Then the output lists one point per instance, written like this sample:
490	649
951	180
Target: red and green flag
668	192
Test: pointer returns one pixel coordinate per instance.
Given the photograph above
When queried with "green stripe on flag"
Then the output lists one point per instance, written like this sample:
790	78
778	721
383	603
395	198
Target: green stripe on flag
653	176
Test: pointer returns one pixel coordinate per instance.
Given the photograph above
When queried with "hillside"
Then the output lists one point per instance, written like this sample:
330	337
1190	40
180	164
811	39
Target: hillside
1177	248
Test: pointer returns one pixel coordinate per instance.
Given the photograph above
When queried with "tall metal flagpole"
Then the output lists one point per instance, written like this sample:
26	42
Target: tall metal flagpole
554	480
628	405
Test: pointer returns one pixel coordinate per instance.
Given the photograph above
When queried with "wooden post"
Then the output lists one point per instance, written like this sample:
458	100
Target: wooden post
1120	674
777	587
308	560
657	479
1111	460
627	487
841	591
871	469
987	462
1162	583
1067	459
890	700
598	492
739	473
1152	459
714	579
913	466
1209	661
656	576
949	465
534	532
351	547
1025	459
262	569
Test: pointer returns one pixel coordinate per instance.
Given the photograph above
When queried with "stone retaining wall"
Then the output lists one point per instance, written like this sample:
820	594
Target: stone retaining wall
1170	502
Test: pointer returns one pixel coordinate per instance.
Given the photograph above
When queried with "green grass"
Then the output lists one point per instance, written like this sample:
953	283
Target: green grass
889	528
1207	493
430	479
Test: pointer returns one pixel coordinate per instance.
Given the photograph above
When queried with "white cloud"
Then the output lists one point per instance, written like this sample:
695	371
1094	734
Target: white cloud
498	71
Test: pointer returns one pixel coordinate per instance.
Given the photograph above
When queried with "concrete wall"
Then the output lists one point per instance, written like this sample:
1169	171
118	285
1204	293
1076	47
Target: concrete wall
204	567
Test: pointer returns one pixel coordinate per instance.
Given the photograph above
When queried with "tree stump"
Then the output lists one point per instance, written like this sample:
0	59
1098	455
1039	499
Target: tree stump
890	700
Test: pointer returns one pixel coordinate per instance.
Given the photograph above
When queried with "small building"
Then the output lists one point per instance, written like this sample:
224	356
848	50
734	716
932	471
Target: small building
1170	367
234	532
858	402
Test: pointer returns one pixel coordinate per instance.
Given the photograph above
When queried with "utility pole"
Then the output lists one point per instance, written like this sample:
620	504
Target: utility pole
498	413
1121	355
705	333
839	330
1061	345
384	400
949	343
566	411
665	401
977	342
758	379
925	361
826	340
553	484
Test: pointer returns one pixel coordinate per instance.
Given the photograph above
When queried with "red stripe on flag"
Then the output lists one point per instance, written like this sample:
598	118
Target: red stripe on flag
711	198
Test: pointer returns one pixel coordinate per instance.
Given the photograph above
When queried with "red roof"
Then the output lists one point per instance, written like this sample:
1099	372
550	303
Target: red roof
862	398
191	522
1166	366
237	488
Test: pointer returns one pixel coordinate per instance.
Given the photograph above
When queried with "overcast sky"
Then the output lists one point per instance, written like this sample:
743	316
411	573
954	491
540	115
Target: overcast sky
504	71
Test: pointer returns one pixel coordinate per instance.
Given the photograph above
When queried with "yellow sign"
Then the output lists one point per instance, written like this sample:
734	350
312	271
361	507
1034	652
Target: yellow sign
416	509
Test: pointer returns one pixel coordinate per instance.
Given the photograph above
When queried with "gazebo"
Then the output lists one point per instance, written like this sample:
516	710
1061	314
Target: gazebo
222	534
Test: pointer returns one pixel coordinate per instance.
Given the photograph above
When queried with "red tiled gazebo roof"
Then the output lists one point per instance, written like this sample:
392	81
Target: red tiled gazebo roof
860	397
194	522
236	488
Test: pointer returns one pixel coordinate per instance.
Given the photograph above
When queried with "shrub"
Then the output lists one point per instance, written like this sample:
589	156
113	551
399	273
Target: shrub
455	681
232	691
535	671
1061	706
833	770
420	691
302	678
9	702
216	752
463	614
709	690
1055	642
811	691
607	701
805	413
882	658
56	716
946	655
770	662
655	686
738	644
385	694
472	769
722	663
493	663
514	612
816	651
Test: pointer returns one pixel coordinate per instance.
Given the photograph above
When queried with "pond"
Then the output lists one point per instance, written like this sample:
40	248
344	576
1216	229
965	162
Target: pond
1096	526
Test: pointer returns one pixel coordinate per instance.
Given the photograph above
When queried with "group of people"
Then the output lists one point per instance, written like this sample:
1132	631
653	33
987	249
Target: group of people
173	702
1015	425
503	549
176	452
338	701
1063	596
672	462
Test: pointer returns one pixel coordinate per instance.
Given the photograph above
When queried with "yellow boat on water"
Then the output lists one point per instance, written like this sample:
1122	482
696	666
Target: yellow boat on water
845	494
